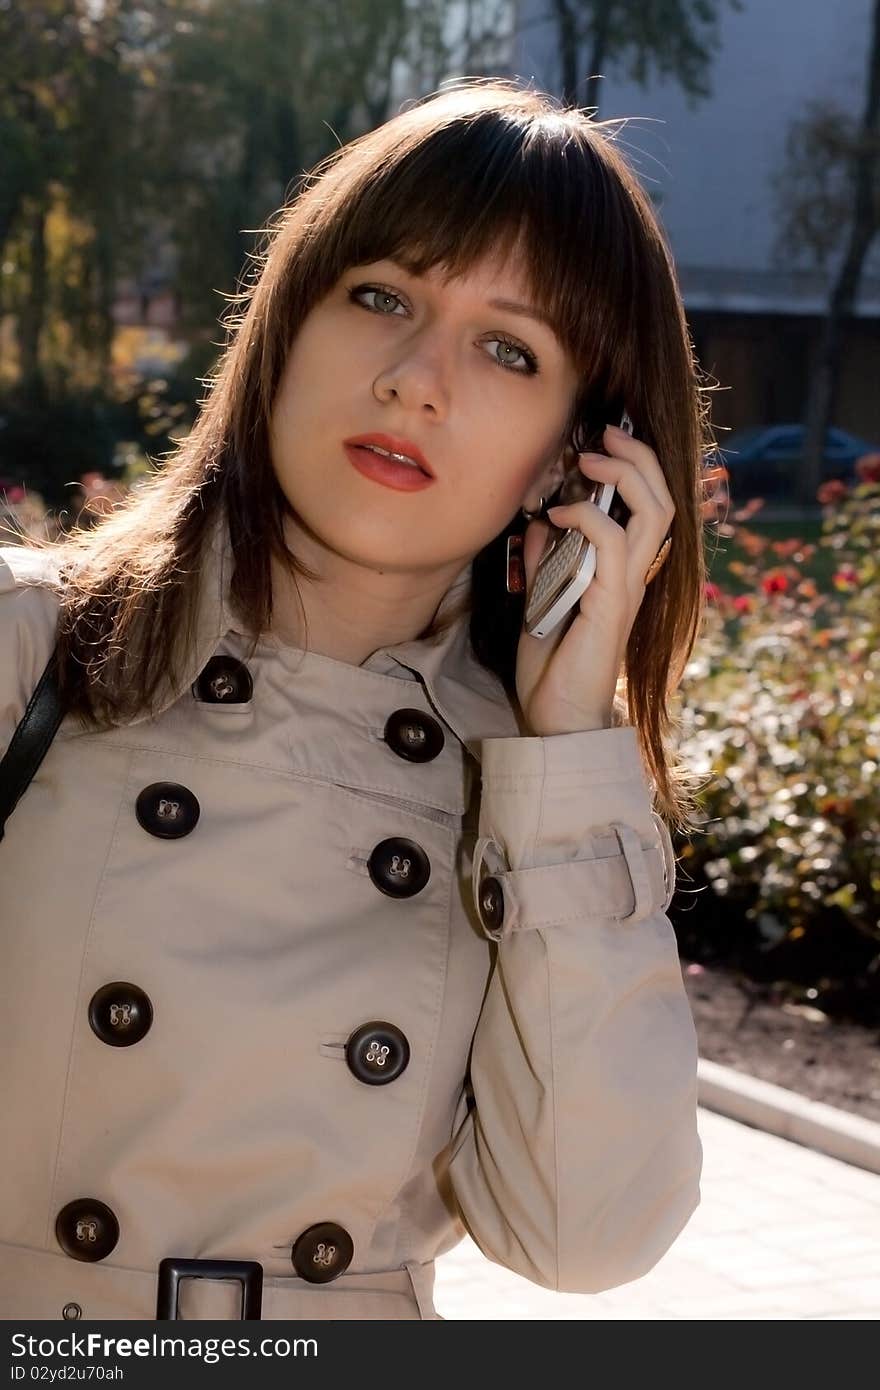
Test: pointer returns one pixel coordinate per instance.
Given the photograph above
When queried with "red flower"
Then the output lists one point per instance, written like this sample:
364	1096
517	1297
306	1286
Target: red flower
868	468
774	584
833	491
845	578
712	592
743	603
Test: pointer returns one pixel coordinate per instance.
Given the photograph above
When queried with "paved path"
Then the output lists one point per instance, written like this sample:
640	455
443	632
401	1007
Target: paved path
781	1232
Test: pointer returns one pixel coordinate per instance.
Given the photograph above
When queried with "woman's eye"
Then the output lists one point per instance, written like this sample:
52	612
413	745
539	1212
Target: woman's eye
506	359
514	349
380	294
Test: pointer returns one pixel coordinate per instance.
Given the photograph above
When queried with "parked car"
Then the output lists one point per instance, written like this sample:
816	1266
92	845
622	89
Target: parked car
763	461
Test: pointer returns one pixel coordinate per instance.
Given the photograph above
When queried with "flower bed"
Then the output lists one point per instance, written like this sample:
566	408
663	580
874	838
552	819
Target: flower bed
779	710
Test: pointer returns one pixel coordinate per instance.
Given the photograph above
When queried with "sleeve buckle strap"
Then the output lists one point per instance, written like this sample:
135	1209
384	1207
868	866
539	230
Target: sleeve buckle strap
520	900
639	875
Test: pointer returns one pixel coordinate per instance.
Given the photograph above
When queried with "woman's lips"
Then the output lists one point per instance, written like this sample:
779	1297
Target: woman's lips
401	476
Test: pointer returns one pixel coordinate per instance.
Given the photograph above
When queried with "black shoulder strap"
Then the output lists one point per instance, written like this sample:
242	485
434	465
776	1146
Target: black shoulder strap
30	742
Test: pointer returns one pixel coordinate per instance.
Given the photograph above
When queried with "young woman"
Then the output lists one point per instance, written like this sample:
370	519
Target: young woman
334	919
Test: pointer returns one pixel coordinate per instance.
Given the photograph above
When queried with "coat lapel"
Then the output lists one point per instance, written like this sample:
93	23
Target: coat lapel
470	699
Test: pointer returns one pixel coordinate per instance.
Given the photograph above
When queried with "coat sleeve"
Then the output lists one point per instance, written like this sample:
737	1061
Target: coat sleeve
575	1159
28	624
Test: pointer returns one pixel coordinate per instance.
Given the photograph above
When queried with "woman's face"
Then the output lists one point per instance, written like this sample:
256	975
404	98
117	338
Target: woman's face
483	390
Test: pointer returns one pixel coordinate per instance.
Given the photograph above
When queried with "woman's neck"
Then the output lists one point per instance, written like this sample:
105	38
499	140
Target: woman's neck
352	612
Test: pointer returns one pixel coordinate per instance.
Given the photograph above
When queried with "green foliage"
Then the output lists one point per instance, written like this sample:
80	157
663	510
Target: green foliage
91	430
48	451
780	712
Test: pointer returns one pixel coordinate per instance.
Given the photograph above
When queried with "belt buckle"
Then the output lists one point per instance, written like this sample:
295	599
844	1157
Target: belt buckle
247	1272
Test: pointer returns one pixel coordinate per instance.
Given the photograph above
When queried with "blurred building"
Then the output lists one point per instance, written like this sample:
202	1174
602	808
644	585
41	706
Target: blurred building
754	315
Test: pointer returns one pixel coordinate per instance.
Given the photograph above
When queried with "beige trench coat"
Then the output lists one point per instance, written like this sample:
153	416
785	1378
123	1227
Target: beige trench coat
497	901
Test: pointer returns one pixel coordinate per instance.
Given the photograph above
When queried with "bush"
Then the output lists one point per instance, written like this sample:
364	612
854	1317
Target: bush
50	448
780	711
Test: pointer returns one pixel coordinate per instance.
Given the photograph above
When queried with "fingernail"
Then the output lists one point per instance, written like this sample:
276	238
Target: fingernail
615	429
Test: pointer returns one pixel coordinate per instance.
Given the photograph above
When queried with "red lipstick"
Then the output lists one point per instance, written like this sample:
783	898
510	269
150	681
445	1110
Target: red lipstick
394	444
392	472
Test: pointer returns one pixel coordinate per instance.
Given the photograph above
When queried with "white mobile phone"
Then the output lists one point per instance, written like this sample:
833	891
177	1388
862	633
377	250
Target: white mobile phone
568	564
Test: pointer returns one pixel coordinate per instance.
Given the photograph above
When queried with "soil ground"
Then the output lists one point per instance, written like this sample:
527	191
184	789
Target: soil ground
750	1027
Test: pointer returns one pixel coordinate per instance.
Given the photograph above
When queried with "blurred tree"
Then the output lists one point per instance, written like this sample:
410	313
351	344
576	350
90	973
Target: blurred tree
67	117
828	198
672	38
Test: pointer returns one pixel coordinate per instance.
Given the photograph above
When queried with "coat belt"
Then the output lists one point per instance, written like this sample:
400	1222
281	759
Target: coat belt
39	1284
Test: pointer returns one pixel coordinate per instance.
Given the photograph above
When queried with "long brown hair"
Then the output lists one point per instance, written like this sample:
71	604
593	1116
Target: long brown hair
483	165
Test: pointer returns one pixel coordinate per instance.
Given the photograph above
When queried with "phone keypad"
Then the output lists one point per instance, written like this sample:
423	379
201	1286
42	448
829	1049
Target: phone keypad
555	570
562	564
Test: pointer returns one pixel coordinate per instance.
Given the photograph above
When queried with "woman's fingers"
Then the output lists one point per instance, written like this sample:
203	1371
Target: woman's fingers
635	451
639	480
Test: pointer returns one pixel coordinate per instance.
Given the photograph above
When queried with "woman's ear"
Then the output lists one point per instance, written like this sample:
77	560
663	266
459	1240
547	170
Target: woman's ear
553	477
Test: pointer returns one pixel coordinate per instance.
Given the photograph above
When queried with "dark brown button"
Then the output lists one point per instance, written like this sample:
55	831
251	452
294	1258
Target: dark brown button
71	1312
322	1252
491	903
167	809
377	1053
224	681
86	1229
120	1014
414	735
399	867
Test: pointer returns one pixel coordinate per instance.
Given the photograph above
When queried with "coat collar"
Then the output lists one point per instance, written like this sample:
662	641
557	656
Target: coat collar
470	699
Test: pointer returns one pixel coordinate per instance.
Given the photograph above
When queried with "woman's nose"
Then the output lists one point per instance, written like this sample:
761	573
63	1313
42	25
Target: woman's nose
419	379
